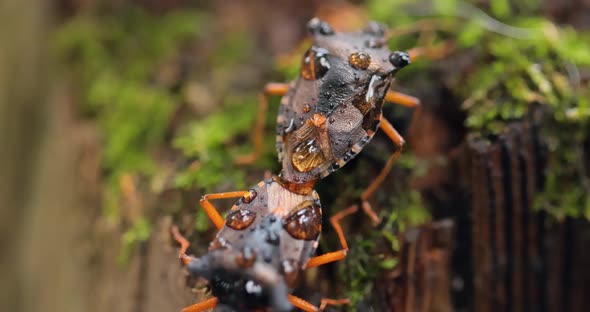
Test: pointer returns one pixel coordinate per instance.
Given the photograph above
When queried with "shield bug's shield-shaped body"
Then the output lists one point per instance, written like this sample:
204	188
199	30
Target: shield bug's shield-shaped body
271	231
254	288
269	236
334	107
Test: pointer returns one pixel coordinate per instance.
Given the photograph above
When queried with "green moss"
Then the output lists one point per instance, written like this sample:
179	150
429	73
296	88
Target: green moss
372	254
114	58
216	140
511	75
527	73
138	233
500	8
215	160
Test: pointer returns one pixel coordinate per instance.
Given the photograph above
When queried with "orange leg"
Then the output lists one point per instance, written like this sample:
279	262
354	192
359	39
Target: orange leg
399	141
433	52
335	255
333	302
212	211
272	88
202	306
308	307
407	101
184	243
402	99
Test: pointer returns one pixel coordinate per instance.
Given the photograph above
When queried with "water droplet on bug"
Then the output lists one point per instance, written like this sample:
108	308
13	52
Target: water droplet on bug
248	198
305	223
240	219
374	29
307	156
373	43
315	63
317	26
359	60
306	108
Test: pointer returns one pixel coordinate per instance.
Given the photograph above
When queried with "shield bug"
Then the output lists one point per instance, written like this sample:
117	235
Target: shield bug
333	109
268	238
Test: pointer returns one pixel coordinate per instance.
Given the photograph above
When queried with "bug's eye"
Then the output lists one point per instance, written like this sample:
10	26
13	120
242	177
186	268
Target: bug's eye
399	59
359	60
317	26
315	64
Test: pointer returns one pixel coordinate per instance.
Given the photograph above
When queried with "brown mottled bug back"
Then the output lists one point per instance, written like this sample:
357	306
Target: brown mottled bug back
334	108
275	226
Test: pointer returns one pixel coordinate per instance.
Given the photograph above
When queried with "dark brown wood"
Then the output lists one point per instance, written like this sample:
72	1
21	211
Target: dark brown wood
517	263
523	260
499	252
422	278
481	227
579	272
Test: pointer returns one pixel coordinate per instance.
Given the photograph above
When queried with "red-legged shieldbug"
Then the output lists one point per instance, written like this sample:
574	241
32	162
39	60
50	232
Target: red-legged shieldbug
268	238
333	109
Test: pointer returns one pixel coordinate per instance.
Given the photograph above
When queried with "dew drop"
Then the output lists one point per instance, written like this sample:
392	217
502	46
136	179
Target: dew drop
248	198
240	219
315	63
359	60
305	223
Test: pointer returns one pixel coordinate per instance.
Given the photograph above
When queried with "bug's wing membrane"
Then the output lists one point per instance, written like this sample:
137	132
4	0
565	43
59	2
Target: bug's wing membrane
346	130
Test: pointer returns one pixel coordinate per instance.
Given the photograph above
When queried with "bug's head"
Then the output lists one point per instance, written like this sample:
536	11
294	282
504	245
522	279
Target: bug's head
257	285
358	55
